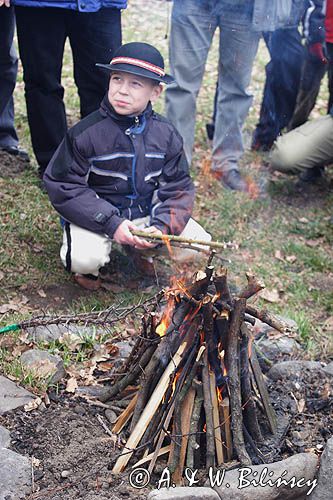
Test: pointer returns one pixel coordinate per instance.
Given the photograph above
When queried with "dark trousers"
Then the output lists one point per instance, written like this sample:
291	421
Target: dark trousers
283	74
42	32
312	75
8	72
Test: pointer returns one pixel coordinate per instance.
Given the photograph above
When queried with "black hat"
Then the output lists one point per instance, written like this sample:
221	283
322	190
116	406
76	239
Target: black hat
139	59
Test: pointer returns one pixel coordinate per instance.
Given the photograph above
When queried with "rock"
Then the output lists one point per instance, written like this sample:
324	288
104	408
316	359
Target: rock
328	369
273	348
46	333
4	437
65	473
12	396
179	493
15	477
292	369
324	489
299	469
44	365
125	349
290	323
111	416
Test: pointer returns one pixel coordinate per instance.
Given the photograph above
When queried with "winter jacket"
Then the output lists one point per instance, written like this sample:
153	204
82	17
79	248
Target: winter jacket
314	21
265	15
80	5
110	168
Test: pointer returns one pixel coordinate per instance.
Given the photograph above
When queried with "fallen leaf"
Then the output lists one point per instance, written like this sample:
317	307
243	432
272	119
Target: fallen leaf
71	340
270	295
71	385
279	255
33	405
41	293
300	405
313	243
291	258
105	366
35	461
303	220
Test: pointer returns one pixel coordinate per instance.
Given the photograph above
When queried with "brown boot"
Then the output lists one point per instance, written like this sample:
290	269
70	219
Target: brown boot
88	281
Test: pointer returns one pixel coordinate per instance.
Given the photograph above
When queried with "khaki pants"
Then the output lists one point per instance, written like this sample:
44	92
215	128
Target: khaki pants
85	252
308	146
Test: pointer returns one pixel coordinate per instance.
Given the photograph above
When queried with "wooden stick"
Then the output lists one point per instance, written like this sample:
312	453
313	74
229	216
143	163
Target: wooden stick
250	414
232	360
148	412
254	285
210	439
147	458
269	410
179	239
216	420
186	412
225	408
221	285
125	416
193	445
266	317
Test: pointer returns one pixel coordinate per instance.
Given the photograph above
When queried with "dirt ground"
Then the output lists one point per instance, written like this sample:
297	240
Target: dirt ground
75	455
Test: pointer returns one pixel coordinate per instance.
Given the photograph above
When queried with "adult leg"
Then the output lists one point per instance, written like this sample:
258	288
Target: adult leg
94	36
329	47
8	72
283	74
312	74
238	48
192	29
306	147
41	37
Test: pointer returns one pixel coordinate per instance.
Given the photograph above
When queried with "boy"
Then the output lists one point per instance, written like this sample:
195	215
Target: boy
122	168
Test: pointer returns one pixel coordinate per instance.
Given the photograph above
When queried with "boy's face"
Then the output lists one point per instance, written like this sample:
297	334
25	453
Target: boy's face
129	94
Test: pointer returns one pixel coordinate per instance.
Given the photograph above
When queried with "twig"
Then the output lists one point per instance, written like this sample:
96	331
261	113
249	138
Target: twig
105	427
180	239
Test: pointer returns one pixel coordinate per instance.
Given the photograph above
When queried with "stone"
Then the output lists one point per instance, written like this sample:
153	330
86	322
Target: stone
180	493
44	365
51	333
292	369
12	396
328	369
299	469
324	489
125	349
15	477
4	437
273	348
111	416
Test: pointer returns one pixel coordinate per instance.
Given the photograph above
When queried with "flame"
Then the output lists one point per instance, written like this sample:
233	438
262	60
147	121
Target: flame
166	240
174	383
205	428
166	318
252	188
219	394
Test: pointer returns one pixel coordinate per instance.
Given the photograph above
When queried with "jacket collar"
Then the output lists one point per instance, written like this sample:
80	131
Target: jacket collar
107	109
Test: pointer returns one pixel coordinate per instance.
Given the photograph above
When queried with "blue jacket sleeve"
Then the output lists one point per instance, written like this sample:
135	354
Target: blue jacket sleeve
314	21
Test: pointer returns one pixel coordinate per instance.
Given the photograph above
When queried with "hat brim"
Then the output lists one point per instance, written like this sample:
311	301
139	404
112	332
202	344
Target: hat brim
134	70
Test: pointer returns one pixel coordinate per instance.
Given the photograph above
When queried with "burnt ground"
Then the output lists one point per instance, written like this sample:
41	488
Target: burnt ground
76	454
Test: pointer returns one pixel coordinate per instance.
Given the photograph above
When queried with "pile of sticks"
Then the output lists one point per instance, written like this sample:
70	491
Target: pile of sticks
196	384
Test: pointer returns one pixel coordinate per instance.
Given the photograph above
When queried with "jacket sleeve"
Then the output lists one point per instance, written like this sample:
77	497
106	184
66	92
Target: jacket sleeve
173	200
66	181
314	21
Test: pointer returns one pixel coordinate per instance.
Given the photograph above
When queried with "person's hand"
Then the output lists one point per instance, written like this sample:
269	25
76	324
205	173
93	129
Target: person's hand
123	236
6	3
317	50
153	230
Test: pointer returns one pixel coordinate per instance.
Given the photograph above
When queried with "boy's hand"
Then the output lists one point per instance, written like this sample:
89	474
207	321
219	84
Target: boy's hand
152	230
123	236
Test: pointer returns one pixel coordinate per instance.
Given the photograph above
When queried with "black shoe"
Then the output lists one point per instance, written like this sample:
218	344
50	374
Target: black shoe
311	174
16	151
233	180
210	129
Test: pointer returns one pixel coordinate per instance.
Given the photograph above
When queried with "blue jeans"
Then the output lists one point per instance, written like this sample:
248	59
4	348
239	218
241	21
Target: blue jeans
42	32
283	74
192	30
8	72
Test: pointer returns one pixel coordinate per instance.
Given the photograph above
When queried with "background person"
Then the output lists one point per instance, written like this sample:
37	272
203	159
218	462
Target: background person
8	71
94	31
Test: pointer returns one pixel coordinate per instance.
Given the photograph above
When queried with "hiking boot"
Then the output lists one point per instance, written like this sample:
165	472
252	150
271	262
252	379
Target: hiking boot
233	180
16	151
88	281
311	174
